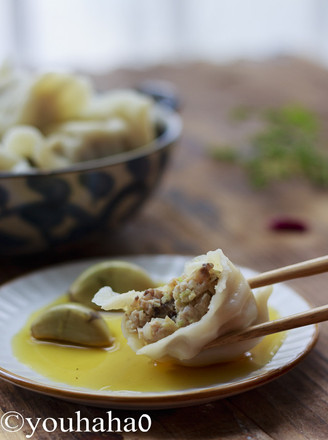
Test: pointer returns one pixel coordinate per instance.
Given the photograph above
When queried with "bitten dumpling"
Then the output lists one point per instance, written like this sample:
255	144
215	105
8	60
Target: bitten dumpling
174	322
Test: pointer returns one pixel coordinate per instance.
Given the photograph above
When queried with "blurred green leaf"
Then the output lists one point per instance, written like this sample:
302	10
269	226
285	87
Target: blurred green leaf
224	153
287	146
241	113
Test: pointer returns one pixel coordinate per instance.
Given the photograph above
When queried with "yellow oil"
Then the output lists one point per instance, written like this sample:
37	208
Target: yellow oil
119	368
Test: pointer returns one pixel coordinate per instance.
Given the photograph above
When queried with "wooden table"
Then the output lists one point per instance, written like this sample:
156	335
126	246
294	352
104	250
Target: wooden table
202	204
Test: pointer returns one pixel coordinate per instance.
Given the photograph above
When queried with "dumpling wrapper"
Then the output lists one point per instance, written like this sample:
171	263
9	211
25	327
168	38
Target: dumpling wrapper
14	87
53	98
132	107
232	307
52	120
86	140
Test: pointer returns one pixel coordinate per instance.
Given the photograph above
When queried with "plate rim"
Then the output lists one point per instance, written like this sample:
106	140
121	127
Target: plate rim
157	400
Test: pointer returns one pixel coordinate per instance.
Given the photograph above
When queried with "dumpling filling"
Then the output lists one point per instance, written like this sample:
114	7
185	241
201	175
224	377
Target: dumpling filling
176	321
159	312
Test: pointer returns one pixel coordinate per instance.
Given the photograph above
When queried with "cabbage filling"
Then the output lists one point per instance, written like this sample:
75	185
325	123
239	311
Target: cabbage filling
159	312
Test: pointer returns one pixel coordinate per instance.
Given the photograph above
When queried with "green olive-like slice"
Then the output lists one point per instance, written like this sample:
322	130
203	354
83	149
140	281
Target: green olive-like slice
121	276
73	324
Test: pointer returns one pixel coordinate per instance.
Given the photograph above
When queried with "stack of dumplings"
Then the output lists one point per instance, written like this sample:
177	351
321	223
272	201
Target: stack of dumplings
50	121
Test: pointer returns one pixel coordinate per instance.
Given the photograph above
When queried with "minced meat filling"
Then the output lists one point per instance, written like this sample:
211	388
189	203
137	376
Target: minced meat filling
158	312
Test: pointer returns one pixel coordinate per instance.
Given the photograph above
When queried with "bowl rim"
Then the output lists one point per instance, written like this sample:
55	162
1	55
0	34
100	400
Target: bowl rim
163	114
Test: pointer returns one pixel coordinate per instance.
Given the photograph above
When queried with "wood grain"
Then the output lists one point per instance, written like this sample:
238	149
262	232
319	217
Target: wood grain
202	204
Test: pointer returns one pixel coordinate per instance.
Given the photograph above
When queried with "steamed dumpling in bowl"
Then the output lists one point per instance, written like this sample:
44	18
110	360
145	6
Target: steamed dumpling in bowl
130	106
40	99
53	98
176	321
53	120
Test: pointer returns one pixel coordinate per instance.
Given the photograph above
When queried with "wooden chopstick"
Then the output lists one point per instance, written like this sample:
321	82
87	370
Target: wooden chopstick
299	270
312	316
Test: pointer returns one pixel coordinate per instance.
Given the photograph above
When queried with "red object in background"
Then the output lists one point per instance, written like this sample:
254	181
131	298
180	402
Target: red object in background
288	224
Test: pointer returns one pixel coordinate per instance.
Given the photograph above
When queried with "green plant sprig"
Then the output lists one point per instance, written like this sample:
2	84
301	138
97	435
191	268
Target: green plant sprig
286	147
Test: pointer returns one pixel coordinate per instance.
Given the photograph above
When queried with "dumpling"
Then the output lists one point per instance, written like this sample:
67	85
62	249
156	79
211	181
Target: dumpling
14	86
8	160
53	98
20	149
40	100
130	106
85	140
174	322
24	141
52	120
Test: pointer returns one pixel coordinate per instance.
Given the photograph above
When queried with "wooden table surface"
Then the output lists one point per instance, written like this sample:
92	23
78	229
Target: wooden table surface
200	205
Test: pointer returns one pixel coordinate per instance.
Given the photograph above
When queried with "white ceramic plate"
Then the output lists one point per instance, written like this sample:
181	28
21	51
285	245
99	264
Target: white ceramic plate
24	295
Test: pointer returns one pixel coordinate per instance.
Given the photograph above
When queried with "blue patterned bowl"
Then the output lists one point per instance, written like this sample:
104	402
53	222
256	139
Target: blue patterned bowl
41	210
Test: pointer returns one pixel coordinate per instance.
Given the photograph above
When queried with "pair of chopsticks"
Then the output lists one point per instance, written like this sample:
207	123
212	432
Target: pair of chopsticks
313	316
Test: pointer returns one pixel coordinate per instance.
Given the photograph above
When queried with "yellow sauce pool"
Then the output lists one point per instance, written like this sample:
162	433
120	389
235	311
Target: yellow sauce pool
119	368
